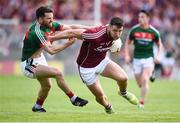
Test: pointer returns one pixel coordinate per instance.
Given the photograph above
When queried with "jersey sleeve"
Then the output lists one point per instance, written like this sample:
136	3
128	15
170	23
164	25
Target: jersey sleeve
93	35
157	37
57	26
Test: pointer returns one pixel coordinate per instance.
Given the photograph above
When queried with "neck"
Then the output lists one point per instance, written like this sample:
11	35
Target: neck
109	35
144	26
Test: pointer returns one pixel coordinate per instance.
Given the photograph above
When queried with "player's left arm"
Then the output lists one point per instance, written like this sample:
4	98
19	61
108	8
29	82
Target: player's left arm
160	50
70	33
62	27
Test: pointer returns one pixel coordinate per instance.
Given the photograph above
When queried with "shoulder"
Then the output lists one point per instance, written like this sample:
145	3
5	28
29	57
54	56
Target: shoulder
94	33
154	30
135	27
96	29
35	32
35	27
55	24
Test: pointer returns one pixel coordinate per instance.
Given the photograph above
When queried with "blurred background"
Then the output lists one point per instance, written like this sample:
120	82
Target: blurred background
17	15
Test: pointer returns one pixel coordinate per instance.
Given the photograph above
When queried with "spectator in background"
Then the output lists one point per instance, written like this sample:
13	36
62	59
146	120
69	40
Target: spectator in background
168	60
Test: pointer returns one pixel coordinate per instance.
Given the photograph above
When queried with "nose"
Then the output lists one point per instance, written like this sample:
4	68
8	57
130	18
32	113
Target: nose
117	34
51	19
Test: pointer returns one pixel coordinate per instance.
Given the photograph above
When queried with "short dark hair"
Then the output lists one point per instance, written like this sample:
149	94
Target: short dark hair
116	21
145	12
40	12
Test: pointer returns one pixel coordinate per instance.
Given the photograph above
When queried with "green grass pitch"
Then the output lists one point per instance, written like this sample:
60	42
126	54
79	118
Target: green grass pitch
18	94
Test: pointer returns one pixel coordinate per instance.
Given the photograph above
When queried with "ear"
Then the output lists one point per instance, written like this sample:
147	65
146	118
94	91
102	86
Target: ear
40	19
109	27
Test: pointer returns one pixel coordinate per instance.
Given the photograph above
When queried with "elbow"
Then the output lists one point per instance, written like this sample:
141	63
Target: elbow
52	52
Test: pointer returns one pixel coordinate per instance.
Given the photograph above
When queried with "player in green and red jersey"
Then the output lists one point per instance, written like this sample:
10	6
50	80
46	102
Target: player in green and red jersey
143	36
33	62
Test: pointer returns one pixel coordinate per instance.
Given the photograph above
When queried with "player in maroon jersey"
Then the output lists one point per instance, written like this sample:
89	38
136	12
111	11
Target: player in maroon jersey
93	61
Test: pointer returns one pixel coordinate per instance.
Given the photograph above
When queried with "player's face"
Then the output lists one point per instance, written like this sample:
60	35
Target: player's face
48	19
115	31
143	18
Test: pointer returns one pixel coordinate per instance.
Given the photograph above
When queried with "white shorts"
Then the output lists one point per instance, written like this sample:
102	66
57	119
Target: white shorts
140	64
90	75
28	66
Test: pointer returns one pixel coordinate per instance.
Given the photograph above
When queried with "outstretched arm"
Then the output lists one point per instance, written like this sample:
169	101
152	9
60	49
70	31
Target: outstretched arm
53	49
75	33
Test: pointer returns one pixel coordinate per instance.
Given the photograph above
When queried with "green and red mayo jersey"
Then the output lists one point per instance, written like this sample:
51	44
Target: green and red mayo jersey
143	40
35	38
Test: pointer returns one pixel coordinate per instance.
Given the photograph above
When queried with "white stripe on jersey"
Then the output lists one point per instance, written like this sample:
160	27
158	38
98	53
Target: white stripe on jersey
144	39
94	35
40	35
90	34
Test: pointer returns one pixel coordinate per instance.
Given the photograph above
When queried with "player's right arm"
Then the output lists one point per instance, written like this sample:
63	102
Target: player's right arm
127	52
55	48
42	41
127	47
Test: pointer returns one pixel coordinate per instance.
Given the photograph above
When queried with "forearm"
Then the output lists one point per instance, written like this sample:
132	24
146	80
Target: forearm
126	48
160	49
60	35
59	48
53	49
76	33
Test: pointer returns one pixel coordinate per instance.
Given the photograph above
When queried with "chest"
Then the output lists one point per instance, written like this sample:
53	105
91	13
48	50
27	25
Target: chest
144	36
101	44
48	31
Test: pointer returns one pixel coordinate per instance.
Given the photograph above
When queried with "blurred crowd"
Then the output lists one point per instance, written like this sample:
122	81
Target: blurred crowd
24	10
165	16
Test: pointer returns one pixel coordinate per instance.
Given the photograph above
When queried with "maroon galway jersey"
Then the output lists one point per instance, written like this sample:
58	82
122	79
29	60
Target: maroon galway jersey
96	43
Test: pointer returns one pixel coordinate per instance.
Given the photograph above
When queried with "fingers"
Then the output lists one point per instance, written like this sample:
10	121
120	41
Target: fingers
127	60
50	38
156	61
71	40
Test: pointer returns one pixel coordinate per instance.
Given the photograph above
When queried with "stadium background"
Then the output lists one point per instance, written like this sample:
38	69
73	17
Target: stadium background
17	15
18	93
